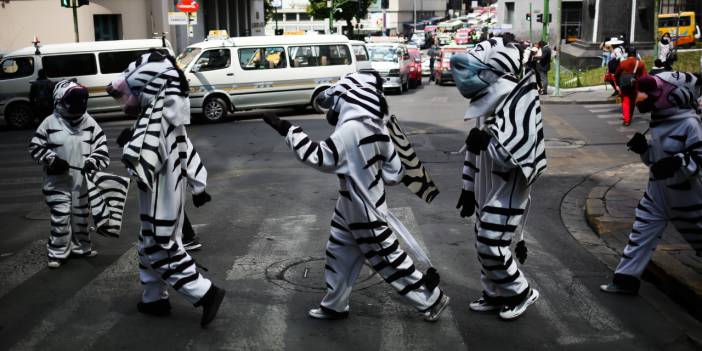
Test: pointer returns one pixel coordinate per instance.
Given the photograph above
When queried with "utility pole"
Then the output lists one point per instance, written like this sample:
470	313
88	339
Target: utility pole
531	20
332	9
74	5
546	22
414	15
656	8
559	26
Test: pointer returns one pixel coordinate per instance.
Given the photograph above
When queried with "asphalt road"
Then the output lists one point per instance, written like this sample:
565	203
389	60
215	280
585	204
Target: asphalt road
264	234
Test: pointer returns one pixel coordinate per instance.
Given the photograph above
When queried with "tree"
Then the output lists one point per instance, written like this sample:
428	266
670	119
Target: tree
349	11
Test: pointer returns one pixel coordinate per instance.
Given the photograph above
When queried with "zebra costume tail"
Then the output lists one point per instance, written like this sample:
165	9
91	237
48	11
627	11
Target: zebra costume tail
107	194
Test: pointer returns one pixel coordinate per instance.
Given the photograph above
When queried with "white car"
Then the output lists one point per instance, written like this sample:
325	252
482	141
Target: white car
392	61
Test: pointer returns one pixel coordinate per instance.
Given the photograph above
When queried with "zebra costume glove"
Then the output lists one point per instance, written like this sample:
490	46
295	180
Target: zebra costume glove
638	143
201	199
276	123
666	167
466	203
58	166
477	140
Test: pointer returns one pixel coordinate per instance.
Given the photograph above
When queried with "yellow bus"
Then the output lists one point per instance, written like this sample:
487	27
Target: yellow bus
685	22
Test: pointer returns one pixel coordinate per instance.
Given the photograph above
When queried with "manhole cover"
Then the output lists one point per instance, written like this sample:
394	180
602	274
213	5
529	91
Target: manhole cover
307	274
564	143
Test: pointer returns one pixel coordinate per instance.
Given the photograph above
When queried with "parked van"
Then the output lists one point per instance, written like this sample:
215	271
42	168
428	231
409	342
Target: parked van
392	61
94	64
682	27
264	71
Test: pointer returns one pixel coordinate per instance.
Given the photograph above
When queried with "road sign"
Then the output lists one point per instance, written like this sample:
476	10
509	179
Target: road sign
181	18
188	5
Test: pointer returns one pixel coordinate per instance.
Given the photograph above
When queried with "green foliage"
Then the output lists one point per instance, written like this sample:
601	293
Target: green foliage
349	9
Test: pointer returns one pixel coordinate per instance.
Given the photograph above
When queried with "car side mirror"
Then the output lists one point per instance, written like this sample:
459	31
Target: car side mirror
197	68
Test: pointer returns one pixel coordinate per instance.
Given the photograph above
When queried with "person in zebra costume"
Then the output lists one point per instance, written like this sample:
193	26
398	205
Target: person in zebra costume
505	154
674	154
361	154
160	157
69	144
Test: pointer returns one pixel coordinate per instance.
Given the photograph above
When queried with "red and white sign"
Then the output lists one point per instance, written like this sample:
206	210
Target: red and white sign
188	5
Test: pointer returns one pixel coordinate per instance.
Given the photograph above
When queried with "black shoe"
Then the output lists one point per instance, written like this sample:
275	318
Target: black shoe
192	245
210	304
156	308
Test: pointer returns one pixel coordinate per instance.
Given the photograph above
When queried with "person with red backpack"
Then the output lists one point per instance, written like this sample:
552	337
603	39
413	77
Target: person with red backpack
628	71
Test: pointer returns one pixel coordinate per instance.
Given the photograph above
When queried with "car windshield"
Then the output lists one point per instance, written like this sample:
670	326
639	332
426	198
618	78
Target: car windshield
382	53
187	56
461	35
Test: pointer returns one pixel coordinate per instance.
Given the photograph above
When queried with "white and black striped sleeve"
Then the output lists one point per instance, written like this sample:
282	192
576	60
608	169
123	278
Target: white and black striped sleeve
470	168
326	156
39	146
692	155
500	156
195	169
98	148
392	167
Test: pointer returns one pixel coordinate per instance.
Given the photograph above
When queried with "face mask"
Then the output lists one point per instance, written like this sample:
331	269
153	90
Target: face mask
75	101
665	41
128	98
471	75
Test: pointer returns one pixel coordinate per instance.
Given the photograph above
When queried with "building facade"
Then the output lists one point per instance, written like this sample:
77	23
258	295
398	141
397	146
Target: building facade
123	19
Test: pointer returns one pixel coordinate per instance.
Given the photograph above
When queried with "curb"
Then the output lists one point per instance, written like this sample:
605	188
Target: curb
674	278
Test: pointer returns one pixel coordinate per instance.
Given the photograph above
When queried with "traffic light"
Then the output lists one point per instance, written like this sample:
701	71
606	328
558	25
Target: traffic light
83	2
384	4
528	17
540	18
66	3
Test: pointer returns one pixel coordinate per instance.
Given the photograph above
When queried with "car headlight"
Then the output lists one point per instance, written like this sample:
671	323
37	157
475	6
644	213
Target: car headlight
413	68
394	72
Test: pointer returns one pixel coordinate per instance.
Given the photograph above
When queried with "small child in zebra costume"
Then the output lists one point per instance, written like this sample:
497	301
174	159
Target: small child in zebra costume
505	155
674	155
160	157
69	144
362	155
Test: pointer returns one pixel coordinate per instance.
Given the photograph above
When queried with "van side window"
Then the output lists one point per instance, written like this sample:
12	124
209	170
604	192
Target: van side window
262	58
211	60
360	52
319	55
16	67
118	61
72	65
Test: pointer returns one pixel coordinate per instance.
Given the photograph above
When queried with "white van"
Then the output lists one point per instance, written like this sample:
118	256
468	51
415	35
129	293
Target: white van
392	61
93	64
227	75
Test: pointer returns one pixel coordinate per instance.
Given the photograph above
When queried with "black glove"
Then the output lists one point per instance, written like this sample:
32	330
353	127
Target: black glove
89	167
477	140
276	123
521	251
666	167
57	167
638	143
124	137
466	203
201	199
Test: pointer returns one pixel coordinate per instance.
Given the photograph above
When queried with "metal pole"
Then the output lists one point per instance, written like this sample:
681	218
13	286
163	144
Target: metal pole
414	16
531	20
276	21
385	20
74	5
331	17
655	28
559	29
544	32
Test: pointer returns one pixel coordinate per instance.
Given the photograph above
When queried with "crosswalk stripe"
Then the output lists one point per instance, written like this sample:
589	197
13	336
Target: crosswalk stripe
610	115
23	264
598	106
602	110
116	280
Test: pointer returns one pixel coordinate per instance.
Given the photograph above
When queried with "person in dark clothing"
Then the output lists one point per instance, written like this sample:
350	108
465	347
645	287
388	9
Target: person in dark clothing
434	53
41	93
543	65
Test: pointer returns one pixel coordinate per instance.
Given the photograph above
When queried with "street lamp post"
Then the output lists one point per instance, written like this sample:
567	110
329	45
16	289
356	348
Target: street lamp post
559	19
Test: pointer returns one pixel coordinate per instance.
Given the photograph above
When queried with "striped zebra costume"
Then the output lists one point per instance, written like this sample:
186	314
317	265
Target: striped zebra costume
674	191
360	152
497	181
162	161
78	140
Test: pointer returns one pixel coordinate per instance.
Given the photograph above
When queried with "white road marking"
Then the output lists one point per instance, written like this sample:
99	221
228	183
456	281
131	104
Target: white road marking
610	115
600	106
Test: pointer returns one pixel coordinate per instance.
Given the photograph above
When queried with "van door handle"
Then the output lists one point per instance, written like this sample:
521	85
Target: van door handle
230	74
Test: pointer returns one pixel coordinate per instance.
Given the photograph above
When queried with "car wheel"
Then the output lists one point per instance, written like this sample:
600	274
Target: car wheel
214	109
19	115
407	83
412	83
315	105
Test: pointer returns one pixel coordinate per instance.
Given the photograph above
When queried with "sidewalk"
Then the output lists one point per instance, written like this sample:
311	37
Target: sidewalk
587	95
609	210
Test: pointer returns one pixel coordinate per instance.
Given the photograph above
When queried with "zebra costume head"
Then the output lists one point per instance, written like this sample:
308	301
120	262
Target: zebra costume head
490	60
70	101
669	93
153	73
357	96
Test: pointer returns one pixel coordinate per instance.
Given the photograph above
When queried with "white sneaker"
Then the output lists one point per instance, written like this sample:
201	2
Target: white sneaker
91	253
513	312
435	312
54	263
481	305
325	313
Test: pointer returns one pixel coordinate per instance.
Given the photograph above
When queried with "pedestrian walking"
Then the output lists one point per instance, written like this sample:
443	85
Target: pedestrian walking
362	156
497	183
543	65
434	53
69	144
160	157
674	191
627	73
41	95
666	50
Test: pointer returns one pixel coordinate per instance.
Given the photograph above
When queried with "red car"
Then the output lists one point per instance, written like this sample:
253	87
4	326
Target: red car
442	67
463	36
415	67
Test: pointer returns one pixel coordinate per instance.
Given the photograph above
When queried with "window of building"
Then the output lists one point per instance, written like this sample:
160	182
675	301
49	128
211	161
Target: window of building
118	61
291	17
304	16
72	65
319	55
211	60
509	12
16	67
262	58
107	27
